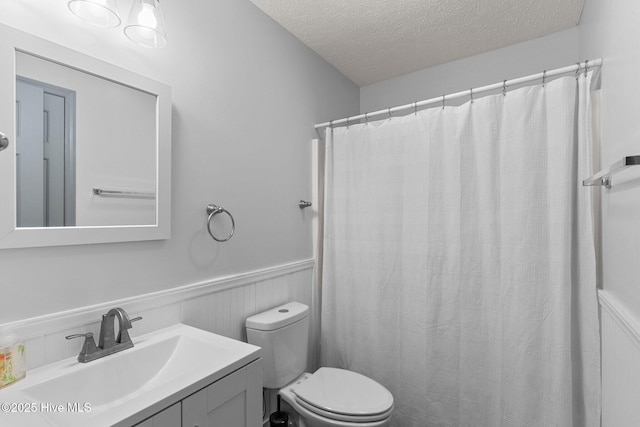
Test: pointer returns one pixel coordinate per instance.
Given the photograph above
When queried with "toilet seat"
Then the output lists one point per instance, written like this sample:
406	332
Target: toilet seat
342	417
344	395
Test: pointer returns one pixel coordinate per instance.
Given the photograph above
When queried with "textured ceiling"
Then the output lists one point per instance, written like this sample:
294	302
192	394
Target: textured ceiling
374	40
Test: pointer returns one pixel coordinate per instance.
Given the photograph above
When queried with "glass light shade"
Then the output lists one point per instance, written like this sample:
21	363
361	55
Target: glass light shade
145	24
103	13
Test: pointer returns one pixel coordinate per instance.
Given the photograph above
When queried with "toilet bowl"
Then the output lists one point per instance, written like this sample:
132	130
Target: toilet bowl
328	397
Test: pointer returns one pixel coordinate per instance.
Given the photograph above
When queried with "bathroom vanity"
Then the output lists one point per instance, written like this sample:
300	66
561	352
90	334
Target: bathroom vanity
177	376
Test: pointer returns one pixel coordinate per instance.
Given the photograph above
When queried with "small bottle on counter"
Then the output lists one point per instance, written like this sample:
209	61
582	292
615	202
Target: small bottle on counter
12	359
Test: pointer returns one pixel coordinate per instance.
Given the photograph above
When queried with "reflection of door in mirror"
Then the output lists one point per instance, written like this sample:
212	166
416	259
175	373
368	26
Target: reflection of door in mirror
45	158
114	141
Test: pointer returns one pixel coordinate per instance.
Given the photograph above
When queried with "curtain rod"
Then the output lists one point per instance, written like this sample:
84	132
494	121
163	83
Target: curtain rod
467	93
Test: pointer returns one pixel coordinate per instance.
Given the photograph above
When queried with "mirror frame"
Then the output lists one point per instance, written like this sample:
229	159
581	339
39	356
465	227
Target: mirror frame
11	41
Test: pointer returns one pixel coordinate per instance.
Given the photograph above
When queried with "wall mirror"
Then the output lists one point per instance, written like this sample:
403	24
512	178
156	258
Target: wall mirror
89	149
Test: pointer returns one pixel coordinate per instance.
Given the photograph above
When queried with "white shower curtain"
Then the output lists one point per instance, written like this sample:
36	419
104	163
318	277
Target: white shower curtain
459	266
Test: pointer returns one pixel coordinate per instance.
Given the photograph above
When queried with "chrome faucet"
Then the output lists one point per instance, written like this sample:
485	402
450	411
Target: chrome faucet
107	330
108	343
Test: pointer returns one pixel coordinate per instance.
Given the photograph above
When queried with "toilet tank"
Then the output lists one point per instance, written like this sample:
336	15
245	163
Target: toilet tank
283	334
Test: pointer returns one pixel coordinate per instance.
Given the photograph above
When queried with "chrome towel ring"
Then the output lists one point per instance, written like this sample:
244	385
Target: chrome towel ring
213	210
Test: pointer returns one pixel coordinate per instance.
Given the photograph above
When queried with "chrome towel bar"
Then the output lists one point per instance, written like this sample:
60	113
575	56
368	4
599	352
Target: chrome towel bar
604	176
124	193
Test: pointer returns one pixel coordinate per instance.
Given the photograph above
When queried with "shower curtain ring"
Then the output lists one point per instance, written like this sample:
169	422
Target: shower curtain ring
443	101
544	77
415	108
504	88
389	112
471	94
366	118
578	70
586	67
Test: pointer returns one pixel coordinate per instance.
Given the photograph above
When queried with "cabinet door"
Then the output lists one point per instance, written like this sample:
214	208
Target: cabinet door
233	401
169	417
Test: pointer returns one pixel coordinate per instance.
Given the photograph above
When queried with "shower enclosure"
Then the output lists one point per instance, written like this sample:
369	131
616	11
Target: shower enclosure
459	263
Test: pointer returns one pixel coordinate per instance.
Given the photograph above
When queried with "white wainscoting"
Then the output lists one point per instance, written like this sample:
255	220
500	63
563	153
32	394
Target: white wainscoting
220	305
620	364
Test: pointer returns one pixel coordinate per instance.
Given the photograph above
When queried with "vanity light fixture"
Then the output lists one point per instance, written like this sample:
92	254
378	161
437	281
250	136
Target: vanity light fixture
103	13
145	24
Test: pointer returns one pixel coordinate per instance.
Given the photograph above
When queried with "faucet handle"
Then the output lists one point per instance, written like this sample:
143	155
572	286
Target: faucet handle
87	335
123	335
88	347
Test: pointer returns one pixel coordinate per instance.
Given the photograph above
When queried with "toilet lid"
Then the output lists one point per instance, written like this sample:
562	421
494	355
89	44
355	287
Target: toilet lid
344	393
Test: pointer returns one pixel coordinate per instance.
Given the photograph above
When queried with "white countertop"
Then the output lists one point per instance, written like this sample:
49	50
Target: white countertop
125	388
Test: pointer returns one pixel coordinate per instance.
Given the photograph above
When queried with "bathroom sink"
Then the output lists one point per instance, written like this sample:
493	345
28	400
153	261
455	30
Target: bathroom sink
162	368
114	378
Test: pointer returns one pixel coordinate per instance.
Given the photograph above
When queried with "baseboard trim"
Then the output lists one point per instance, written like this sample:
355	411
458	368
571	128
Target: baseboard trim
625	320
54	322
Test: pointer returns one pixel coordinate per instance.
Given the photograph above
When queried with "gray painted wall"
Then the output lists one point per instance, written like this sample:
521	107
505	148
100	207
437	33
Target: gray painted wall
610	29
553	51
246	95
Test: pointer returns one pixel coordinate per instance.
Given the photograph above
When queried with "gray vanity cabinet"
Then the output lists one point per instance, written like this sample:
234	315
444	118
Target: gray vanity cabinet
170	417
232	401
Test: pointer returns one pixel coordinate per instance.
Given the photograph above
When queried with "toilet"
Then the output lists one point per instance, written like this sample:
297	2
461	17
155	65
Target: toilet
328	397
